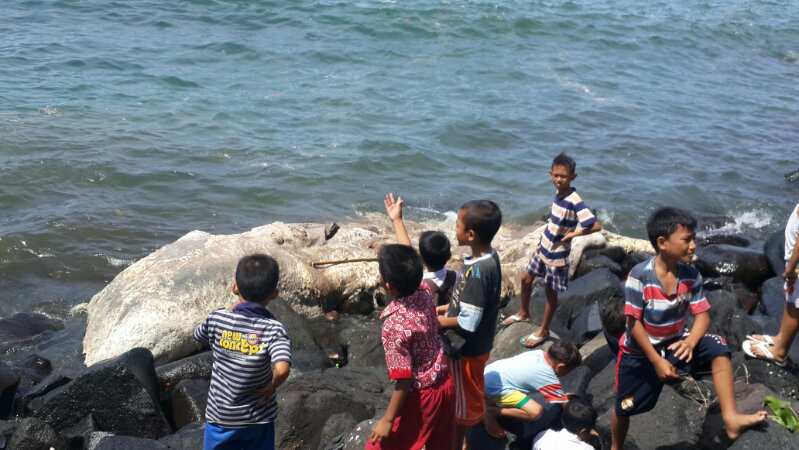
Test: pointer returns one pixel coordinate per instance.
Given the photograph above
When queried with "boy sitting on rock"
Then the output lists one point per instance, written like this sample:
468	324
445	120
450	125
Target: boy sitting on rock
434	248
473	309
421	413
579	423
509	381
656	342
246	341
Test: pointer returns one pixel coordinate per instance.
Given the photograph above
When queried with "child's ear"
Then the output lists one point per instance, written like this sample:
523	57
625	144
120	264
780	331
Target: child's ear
574	175
472	236
661	241
235	289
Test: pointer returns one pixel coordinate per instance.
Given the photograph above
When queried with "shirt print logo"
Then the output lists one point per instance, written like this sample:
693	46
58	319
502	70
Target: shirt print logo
233	342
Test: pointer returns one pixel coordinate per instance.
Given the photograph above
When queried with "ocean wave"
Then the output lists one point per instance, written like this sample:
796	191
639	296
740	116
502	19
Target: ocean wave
745	222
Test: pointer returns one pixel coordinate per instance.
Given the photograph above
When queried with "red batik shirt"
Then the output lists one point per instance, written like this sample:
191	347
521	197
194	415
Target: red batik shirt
411	341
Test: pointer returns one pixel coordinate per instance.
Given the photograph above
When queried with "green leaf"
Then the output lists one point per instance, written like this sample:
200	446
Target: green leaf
782	412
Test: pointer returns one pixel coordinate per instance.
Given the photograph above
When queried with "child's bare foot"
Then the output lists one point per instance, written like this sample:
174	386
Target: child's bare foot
492	426
738	423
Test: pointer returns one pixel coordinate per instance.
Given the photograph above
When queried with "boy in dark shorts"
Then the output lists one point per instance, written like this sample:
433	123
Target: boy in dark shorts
434	248
421	413
656	344
473	309
550	260
246	341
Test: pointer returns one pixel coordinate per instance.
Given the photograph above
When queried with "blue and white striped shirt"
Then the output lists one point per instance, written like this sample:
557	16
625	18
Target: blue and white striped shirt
245	343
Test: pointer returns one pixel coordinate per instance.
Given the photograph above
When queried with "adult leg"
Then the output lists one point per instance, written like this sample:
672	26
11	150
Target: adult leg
549	312
734	422
618	428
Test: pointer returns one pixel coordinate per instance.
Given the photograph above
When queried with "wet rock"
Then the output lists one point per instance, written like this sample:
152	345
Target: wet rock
597	262
31	370
6	430
743	264
774	248
107	441
674	423
77	435
23	327
189	437
307	403
586	325
632	260
25	401
711	284
506	341
772	298
193	367
361	335
728	239
782	380
748	400
333	427
188	402
727	320
8	389
746	299
34	434
121	394
615	253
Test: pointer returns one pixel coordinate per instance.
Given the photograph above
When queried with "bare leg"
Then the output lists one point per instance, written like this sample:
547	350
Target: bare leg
549	312
524	299
461	431
492	426
788	329
734	422
619	426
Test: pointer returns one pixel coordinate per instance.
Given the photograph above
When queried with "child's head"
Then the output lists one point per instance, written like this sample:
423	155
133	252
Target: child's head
478	222
562	171
672	232
434	248
564	356
400	269
256	278
613	319
579	418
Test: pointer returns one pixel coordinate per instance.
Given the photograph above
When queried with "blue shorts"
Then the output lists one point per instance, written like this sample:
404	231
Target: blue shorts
637	384
555	278
259	436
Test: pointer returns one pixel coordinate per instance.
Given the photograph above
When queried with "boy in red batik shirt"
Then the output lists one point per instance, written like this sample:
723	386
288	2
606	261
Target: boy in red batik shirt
421	413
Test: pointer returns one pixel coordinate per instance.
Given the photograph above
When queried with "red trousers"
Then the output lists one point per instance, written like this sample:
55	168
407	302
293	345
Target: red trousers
427	420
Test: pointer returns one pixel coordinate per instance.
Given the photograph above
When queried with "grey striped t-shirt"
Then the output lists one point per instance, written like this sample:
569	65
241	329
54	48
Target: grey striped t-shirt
245	343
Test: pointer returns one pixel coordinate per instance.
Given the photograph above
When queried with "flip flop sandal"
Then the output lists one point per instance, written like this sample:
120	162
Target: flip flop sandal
763	338
766	355
512	319
537	340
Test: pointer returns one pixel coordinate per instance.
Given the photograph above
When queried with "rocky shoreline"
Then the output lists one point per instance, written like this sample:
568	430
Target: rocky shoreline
147	381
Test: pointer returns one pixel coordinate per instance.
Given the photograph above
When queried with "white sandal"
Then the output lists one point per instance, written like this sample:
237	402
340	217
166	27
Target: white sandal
763	338
765	355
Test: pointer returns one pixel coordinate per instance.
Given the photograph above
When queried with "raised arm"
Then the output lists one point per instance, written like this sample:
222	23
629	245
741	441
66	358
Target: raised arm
394	211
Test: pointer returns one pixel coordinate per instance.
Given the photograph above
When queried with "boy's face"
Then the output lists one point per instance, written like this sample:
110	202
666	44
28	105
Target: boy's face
562	177
680	245
463	235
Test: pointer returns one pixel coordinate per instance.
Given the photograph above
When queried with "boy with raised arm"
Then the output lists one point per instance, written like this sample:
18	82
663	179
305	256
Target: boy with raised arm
550	260
656	343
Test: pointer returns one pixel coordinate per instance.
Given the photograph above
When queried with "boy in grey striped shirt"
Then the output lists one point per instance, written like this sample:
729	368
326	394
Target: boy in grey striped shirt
246	341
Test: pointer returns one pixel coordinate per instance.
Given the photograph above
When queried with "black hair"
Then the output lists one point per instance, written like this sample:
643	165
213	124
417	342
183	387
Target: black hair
434	248
483	217
401	267
566	161
613	319
665	221
578	414
256	277
565	353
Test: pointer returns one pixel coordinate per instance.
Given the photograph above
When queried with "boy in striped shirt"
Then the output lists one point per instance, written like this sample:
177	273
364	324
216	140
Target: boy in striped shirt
656	343
246	341
550	260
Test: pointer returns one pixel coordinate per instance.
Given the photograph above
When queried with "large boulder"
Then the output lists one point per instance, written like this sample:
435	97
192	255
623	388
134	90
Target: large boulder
774	248
743	264
121	394
729	321
29	400
331	400
772	297
197	366
102	440
586	325
188	402
782	380
506	341
602	389
632	260
597	262
189	437
354	439
598	286
360	335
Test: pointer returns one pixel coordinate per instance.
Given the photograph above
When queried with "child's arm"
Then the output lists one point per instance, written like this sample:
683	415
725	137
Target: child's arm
596	226
685	347
279	374
394	211
446	323
663	367
383	426
790	269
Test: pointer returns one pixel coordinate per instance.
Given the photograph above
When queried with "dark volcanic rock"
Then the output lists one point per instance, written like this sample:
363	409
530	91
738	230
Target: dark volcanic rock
106	441
599	286
188	402
711	284
774	248
305	353
6	430
616	254
772	297
729	321
748	400
746	299
602	389
586	325
743	264
728	239
189	437
632	260
361	335
49	384
674	423
506	341
31	370
34	434
597	262
8	389
355	439
307	403
77	434
192	367
22	327
121	394
782	380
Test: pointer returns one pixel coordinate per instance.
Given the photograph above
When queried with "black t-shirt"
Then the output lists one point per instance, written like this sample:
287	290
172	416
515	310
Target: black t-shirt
475	302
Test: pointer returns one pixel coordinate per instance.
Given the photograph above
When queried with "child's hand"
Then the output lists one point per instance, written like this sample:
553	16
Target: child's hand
381	430
264	394
441	310
568	237
682	350
393	208
665	370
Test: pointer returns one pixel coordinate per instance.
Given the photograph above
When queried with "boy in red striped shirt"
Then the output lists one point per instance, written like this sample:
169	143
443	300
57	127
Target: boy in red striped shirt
657	343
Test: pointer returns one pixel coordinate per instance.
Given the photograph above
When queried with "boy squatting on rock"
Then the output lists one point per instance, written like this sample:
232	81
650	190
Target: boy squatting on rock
655	344
246	341
776	348
579	429
509	381
421	413
550	260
